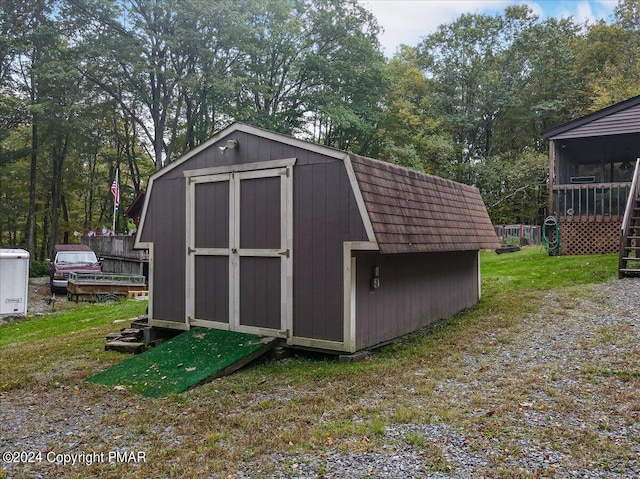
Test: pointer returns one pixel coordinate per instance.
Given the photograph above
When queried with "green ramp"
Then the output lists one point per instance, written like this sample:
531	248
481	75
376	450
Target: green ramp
188	359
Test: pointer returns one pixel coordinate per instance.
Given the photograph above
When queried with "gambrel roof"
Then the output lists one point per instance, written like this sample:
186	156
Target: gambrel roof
403	210
415	212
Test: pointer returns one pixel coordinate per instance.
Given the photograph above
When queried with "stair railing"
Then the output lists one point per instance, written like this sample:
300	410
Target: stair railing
626	221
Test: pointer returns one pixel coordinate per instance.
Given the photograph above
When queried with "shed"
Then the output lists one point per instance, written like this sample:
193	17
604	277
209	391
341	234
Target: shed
258	232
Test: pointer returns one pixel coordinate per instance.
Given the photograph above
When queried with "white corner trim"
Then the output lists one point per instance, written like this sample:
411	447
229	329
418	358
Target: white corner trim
138	243
479	278
364	214
349	291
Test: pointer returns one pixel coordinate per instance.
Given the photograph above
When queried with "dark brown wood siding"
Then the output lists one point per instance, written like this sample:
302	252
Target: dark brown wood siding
212	215
212	288
260	292
325	215
618	123
250	149
260	213
415	291
164	225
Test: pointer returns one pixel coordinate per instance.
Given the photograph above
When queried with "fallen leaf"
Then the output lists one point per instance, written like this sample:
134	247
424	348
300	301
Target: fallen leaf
190	369
119	388
491	413
329	441
525	404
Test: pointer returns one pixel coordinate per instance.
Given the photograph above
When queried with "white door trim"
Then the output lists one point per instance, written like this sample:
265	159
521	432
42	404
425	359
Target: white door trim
234	174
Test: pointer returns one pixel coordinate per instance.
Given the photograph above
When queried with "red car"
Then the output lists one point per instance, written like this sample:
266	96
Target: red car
71	258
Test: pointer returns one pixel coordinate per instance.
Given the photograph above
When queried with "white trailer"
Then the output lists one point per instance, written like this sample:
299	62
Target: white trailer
14	282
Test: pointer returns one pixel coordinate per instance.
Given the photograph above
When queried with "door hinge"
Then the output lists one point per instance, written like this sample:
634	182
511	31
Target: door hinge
286	333
190	250
285	172
284	253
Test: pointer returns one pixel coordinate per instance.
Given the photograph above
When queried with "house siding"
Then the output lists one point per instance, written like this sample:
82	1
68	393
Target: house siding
325	215
619	123
165	227
415	291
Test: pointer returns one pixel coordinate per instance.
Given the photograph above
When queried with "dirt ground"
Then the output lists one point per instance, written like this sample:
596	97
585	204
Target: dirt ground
40	297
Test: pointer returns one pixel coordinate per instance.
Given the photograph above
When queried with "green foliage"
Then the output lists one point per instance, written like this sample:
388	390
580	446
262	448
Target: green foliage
90	87
514	188
38	268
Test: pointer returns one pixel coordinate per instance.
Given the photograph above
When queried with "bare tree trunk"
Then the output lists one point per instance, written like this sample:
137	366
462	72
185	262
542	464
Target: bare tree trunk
59	154
31	218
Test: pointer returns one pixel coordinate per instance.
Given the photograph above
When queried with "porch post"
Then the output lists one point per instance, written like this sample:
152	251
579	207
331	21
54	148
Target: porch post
552	167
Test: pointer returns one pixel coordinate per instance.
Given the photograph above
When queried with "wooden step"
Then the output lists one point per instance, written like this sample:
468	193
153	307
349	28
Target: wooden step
631	258
630	270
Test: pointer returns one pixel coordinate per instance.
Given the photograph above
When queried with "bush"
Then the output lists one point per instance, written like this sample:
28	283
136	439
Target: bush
38	268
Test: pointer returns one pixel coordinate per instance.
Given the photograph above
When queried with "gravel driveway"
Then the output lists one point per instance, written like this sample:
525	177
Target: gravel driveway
569	372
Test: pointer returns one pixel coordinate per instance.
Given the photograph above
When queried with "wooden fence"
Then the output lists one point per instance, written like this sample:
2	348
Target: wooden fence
519	234
118	254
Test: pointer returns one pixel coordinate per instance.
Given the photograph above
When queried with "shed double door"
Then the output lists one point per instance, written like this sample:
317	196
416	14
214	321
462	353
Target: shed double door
239	251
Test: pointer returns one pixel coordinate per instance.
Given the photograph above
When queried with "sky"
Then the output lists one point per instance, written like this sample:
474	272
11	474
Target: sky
409	21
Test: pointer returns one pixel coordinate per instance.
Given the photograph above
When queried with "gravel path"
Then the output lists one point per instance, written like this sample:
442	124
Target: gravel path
575	368
531	395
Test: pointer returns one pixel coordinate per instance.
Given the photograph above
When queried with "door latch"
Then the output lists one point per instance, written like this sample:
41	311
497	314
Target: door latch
284	253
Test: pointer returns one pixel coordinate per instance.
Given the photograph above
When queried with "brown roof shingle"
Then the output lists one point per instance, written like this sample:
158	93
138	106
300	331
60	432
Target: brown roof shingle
412	212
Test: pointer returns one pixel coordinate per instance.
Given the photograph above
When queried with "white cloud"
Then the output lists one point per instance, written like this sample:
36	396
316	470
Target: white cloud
408	22
584	13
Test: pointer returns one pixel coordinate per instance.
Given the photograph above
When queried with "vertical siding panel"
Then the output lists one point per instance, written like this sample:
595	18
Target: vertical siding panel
334	253
415	290
260	213
212	215
303	251
212	288
319	238
260	292
170	245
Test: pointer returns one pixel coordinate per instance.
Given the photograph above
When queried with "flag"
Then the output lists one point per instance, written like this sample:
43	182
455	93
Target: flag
115	190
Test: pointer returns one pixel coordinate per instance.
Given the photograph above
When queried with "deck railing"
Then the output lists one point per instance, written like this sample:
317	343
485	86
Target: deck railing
590	200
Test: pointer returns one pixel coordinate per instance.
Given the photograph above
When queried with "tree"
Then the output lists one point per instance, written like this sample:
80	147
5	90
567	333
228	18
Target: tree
608	58
409	134
312	69
476	71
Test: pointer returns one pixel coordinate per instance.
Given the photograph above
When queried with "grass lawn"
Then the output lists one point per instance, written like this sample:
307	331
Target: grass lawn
305	404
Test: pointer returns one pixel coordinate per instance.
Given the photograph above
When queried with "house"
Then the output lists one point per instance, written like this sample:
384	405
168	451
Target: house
262	233
591	169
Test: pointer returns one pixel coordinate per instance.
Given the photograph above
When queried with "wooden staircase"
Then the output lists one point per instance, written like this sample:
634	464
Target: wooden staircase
629	258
